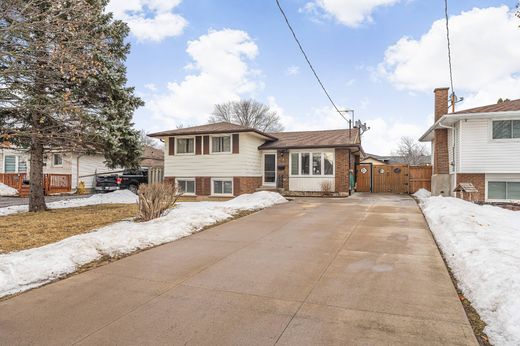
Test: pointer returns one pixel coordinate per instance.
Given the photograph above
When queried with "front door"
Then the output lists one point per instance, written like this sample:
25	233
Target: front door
270	169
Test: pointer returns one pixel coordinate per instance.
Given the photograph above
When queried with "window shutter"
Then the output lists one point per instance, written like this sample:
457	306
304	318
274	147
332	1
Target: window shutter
206	145
236	143
171	145
198	145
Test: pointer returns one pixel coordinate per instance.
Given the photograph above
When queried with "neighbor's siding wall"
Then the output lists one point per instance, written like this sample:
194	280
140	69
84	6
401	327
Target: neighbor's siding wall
479	153
247	163
88	167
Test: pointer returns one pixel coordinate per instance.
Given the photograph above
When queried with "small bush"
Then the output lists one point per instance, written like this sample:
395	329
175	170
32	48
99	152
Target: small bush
155	199
326	187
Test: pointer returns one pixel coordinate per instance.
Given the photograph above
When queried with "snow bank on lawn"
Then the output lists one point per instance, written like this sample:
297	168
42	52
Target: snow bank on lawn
422	193
30	268
482	247
116	197
7	190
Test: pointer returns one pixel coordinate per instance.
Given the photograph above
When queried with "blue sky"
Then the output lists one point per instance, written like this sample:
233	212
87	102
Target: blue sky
380	57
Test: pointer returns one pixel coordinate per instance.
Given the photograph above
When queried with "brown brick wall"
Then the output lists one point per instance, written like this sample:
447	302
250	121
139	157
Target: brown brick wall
478	180
342	166
441	162
282	169
203	186
243	185
169	180
441	102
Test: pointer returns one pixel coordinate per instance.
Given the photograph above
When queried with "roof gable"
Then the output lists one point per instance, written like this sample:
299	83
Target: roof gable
314	139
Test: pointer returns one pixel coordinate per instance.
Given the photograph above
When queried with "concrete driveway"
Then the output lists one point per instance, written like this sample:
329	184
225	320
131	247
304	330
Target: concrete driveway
361	271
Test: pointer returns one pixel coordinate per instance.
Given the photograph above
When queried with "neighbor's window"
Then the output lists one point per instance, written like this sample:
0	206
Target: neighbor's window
10	164
221	144
22	165
305	158
316	164
185	145
328	163
506	129
57	160
504	190
186	186
222	187
295	163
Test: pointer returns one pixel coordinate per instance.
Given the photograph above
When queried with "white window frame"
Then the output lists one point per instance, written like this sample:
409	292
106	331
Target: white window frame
222	194
221	152
185	137
194	193
498	180
52	158
501	140
311	152
16	163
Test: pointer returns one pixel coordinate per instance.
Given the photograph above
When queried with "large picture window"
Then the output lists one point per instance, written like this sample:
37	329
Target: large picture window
221	144
502	190
506	129
10	164
185	145
313	164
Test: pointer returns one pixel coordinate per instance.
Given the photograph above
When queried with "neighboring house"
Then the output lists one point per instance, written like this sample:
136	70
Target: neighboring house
394	160
152	157
479	146
225	159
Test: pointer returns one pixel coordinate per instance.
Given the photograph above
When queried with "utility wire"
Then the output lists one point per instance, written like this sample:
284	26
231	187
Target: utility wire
449	45
308	61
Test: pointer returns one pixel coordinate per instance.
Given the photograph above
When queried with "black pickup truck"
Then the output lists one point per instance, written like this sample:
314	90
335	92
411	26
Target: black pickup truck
129	179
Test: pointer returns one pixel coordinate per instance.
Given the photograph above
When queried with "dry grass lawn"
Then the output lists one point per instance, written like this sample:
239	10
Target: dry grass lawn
29	230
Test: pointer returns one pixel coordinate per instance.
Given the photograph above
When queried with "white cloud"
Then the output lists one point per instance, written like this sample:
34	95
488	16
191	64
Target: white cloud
485	53
150	86
149	20
220	73
348	12
293	70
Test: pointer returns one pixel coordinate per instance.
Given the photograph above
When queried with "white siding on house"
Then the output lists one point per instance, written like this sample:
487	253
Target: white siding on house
479	153
89	166
247	163
312	184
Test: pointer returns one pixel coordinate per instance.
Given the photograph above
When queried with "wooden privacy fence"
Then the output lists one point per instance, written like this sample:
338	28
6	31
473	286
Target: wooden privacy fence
14	180
392	178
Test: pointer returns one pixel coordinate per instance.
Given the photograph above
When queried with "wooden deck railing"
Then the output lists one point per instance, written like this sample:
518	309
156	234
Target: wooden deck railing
52	183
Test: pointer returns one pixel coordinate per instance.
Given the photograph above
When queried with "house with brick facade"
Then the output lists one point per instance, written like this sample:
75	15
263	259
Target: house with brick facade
480	146
225	159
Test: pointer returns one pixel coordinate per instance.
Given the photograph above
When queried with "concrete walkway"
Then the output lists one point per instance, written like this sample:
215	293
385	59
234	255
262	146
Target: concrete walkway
361	271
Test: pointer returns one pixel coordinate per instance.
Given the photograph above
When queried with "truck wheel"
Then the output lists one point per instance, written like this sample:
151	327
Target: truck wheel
133	188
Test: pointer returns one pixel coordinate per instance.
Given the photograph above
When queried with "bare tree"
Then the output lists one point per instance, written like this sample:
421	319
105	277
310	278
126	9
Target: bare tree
248	113
148	141
412	151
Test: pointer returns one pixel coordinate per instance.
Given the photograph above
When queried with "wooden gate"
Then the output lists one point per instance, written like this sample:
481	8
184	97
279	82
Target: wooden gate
420	178
57	183
390	178
364	177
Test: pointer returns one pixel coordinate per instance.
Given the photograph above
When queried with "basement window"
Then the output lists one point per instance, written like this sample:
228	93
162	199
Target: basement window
186	186
222	187
502	190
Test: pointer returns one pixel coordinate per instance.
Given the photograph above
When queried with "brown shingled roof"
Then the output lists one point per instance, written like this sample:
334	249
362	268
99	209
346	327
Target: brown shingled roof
222	127
506	106
314	139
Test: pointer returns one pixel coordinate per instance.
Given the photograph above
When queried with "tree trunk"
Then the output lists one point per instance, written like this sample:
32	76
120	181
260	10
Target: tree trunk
37	197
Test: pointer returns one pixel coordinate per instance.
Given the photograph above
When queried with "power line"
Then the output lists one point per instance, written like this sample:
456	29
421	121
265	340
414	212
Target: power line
449	45
308	61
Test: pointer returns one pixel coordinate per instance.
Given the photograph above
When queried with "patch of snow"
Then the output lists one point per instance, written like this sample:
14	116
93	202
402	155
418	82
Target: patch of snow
422	193
116	197
481	245
7	190
22	270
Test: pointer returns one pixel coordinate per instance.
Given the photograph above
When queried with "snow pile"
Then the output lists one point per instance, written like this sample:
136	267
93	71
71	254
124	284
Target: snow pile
422	193
116	197
7	190
481	245
30	268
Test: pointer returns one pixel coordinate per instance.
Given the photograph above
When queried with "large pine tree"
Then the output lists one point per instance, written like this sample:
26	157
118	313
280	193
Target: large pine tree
63	84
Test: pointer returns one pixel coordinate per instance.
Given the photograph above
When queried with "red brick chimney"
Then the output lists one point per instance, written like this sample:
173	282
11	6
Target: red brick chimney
441	163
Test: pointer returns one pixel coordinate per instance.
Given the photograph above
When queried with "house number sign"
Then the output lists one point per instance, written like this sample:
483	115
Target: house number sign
364	170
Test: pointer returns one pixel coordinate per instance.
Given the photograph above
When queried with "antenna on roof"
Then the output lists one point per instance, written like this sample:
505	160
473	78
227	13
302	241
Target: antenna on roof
361	126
